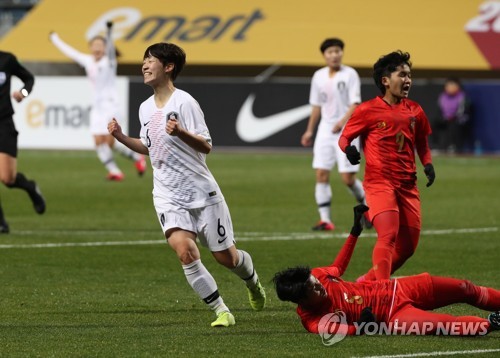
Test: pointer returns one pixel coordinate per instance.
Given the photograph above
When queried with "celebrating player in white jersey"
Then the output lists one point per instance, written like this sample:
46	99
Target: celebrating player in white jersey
335	93
101	69
188	202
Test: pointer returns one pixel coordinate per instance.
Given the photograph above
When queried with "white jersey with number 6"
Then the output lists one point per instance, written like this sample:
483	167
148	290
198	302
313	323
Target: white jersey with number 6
181	175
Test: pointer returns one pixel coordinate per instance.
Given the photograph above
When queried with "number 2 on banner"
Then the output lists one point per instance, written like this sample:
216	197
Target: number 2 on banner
487	20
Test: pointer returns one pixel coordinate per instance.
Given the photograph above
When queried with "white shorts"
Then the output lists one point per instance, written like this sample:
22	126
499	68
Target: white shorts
100	117
212	224
327	153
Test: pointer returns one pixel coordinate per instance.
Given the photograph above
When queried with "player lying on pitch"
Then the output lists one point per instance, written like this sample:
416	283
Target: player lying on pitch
397	303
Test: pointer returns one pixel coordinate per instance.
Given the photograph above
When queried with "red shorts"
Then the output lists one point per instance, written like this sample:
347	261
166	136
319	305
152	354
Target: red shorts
404	200
415	290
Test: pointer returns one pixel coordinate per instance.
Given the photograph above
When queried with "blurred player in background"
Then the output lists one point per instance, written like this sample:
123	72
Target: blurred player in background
454	127
188	200
391	126
402	302
101	68
9	66
335	93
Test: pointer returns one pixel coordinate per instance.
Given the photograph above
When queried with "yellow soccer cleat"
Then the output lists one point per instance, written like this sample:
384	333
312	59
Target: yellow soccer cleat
257	297
224	319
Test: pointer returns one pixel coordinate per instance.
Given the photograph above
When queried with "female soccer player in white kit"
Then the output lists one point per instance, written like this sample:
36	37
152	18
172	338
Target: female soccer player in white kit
101	67
335	93
188	201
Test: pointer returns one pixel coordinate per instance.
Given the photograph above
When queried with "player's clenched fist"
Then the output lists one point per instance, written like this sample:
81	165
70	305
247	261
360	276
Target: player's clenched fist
114	128
172	127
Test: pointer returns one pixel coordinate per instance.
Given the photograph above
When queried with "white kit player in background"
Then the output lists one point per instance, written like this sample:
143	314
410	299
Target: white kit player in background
101	69
188	201
335	94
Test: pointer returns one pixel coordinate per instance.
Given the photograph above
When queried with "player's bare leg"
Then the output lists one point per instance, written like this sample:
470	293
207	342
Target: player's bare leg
198	277
241	264
13	179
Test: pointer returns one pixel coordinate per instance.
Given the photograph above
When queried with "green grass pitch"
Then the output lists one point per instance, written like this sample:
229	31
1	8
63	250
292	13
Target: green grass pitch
127	296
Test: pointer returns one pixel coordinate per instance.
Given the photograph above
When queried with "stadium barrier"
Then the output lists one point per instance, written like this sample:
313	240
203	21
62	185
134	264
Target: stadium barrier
239	111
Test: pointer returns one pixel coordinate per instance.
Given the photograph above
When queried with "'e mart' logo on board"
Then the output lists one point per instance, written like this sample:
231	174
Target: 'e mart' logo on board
130	25
484	29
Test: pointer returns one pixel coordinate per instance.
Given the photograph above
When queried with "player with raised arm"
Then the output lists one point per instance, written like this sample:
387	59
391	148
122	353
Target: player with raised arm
9	176
188	201
335	93
101	68
391	127
399	303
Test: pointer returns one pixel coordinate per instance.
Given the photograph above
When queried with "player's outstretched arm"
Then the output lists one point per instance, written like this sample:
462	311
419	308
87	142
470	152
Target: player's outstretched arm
344	256
359	212
133	143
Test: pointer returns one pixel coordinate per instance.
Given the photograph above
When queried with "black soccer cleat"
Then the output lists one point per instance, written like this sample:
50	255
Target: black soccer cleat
4	227
37	199
494	319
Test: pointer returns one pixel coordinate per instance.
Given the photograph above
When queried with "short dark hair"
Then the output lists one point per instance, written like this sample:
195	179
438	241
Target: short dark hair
168	53
455	80
331	42
388	64
292	284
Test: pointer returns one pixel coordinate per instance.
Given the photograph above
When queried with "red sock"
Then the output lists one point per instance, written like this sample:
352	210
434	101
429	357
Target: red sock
406	244
387	226
450	290
440	323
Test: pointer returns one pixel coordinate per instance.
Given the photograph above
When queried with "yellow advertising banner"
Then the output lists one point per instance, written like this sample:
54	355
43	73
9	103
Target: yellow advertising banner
444	34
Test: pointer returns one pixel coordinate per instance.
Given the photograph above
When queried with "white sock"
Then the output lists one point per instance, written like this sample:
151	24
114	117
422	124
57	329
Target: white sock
245	269
126	151
105	155
357	190
323	194
204	285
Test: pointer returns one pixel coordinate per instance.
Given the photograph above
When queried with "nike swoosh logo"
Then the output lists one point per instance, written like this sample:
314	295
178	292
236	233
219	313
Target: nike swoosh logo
221	241
252	129
145	124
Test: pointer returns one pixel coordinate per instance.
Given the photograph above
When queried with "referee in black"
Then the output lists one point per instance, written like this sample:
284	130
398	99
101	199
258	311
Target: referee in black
9	66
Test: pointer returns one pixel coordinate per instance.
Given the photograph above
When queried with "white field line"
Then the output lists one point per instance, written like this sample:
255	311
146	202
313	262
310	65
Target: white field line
435	354
243	236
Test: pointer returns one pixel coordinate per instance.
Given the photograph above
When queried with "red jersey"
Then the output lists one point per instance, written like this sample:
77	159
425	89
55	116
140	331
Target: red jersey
385	297
348	297
389	136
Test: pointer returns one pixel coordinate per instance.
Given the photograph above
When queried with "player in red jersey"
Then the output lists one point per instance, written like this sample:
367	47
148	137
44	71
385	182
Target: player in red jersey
400	302
391	126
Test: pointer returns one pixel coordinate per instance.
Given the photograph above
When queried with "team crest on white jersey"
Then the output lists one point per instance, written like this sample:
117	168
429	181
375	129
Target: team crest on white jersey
173	116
